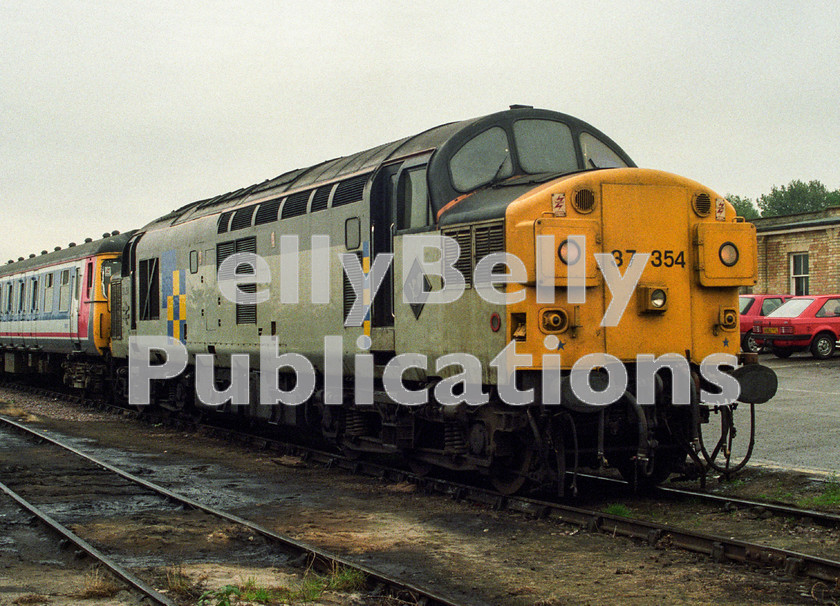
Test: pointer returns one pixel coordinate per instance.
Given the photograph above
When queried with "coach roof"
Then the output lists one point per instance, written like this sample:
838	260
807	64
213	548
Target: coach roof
111	244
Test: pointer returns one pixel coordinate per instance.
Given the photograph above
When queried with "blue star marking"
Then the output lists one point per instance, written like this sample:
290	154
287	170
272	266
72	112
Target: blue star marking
726	342
560	345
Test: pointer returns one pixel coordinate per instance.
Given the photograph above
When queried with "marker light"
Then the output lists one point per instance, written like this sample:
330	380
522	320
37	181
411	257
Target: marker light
569	252
728	254
657	298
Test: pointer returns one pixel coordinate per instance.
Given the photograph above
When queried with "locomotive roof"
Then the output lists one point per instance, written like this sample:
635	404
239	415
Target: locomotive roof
113	243
446	138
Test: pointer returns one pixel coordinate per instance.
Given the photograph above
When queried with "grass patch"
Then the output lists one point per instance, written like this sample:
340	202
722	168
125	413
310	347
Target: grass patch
311	588
178	583
618	509
732	484
828	498
98	585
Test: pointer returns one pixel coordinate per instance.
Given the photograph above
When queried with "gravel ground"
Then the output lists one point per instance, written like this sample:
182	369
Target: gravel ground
471	553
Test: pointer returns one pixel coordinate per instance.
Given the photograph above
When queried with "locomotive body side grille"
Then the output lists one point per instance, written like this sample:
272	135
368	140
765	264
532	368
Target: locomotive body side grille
476	242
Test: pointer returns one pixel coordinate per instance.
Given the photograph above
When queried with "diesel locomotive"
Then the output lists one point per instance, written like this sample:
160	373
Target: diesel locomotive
564	249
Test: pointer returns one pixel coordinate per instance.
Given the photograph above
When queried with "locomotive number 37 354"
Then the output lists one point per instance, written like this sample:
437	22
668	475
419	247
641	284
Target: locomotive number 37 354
658	258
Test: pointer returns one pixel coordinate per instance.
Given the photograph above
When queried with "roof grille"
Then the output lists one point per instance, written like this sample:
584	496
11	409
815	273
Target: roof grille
349	191
296	204
267	212
224	219
242	217
322	197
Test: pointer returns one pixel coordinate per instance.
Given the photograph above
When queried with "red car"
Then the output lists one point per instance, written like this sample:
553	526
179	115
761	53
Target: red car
808	322
753	307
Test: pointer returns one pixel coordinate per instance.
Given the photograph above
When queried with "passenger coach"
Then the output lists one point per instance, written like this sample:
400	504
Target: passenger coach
54	311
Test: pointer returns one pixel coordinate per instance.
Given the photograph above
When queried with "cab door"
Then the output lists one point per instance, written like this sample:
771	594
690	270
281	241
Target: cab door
383	226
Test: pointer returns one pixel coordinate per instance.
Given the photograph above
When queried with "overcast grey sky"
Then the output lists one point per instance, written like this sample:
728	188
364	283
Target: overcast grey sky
114	113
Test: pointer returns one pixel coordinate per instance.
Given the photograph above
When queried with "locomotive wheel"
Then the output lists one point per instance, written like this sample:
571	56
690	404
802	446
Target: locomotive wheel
509	473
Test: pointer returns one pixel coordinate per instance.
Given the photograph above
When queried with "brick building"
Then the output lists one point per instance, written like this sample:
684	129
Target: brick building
799	254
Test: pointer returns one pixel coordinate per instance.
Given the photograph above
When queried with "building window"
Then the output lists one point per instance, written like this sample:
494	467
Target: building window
799	273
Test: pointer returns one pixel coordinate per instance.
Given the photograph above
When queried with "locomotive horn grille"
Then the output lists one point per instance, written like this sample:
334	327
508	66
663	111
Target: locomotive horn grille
584	201
702	204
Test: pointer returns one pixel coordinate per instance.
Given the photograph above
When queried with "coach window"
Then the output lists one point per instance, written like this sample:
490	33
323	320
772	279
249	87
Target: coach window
596	154
412	199
34	298
48	292
482	159
22	297
544	146
64	291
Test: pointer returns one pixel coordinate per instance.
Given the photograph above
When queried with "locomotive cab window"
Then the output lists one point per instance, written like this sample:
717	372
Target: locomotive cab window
596	153
544	146
482	159
413	199
109	269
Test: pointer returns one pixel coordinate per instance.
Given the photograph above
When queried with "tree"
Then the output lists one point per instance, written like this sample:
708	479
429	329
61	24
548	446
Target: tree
797	197
744	207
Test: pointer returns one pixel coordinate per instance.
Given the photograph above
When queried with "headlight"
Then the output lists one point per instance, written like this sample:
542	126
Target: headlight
569	252
728	254
657	298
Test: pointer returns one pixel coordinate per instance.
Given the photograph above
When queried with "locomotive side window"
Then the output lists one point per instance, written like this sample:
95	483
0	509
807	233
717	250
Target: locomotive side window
149	283
596	154
352	233
544	146
413	200
480	160
193	261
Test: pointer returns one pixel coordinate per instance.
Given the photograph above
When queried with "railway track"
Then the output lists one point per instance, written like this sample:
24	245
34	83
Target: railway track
121	483
719	548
